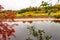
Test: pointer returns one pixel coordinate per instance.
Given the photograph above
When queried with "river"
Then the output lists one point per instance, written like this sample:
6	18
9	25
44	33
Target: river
49	27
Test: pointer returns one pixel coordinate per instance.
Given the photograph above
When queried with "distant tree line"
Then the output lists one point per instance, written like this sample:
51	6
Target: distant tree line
29	9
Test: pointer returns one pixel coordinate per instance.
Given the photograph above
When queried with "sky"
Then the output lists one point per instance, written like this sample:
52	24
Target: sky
20	4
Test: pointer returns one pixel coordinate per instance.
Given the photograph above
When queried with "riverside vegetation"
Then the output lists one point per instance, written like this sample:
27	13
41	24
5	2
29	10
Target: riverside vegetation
45	10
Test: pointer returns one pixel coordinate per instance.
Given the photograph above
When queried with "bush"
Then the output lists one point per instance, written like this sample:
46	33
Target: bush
56	16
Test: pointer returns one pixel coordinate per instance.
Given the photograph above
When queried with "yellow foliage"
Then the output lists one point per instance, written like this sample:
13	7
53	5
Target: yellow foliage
57	5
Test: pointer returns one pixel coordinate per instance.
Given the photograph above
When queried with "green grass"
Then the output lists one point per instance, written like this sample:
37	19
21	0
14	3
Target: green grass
36	13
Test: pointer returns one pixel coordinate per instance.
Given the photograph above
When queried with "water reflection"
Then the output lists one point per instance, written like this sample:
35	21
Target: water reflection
51	28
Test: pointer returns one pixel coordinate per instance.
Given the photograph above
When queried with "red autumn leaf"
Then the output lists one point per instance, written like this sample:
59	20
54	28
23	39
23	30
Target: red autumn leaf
12	30
1	24
5	26
9	34
0	31
4	30
4	36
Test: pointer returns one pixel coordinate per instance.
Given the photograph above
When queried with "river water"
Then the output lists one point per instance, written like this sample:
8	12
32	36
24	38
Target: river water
49	27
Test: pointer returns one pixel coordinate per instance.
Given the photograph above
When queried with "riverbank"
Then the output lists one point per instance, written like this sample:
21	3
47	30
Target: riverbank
32	19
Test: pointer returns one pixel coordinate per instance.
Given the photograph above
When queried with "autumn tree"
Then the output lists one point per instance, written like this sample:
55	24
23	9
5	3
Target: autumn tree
9	14
1	16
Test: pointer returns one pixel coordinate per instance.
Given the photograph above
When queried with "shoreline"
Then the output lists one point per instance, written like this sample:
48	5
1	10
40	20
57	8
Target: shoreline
30	19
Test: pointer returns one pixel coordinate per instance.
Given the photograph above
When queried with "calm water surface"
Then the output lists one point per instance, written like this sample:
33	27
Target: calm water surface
51	28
